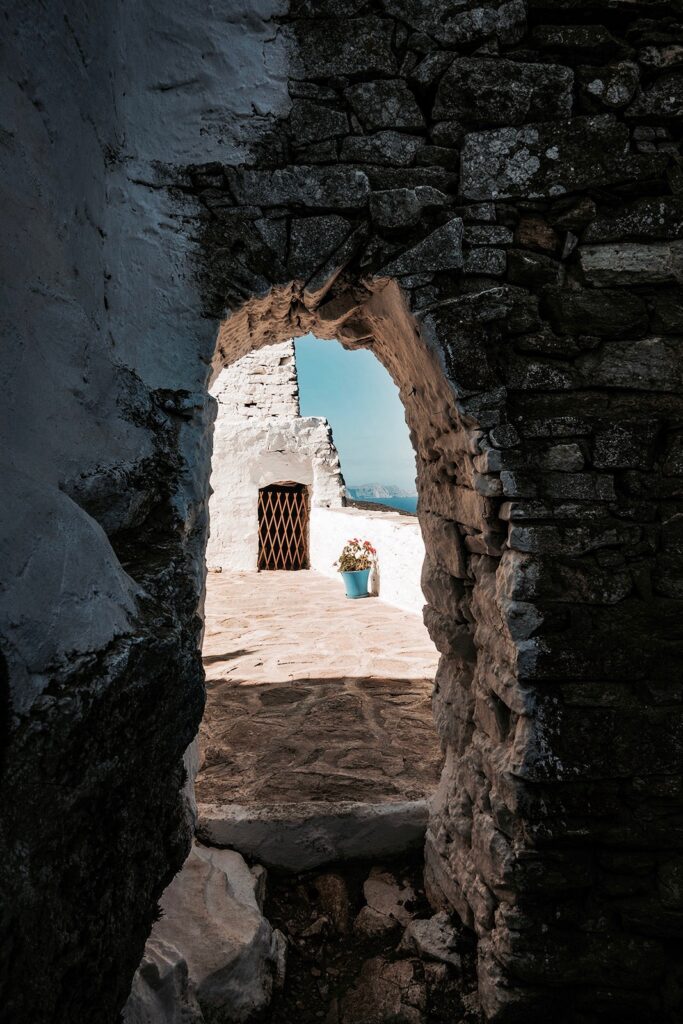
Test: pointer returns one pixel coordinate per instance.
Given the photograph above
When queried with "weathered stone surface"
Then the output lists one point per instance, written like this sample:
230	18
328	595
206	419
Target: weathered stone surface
313	122
652	364
211	956
433	939
501	19
162	992
371	923
578	40
611	87
385	104
305	186
628	263
531	270
334	898
402	207
343	47
663	100
625	445
386	895
313	241
659	218
612	314
492	262
442	250
488	234
388	147
546	159
386	992
502	92
667	306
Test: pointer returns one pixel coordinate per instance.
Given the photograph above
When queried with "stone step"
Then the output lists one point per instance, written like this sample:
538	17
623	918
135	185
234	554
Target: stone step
302	836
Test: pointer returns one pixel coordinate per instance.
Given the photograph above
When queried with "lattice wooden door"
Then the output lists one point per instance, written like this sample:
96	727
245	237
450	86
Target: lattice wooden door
283	526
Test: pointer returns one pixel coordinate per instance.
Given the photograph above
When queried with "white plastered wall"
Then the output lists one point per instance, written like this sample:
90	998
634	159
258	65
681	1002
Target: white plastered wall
400	550
261	439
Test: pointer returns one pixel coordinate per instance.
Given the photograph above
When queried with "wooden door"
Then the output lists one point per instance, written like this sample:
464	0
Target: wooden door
283	526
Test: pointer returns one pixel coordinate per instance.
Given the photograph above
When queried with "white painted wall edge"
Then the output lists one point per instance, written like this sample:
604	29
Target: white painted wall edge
400	550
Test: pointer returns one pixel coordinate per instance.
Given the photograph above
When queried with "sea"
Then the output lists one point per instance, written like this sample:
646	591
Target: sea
405	504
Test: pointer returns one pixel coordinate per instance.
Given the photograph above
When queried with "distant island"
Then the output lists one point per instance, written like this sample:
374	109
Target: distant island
370	492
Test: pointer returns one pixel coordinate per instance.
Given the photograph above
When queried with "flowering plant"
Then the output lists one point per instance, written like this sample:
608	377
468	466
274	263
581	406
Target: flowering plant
356	554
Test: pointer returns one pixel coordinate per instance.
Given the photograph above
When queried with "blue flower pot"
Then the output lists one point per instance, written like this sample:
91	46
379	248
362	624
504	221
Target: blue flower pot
356	583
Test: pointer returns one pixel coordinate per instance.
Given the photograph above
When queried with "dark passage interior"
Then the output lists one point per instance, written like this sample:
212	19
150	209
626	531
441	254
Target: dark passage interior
283	526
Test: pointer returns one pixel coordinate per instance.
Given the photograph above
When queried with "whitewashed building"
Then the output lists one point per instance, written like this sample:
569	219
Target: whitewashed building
270	465
278	497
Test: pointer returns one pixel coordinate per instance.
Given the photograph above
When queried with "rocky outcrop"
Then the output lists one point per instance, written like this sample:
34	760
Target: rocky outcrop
212	957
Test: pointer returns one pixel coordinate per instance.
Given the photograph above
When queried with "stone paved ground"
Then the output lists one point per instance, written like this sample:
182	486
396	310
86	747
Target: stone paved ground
312	697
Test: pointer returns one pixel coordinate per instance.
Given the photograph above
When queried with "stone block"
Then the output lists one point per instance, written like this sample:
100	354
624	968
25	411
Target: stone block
444	540
546	342
403	207
651	218
549	539
503	92
433	939
566	458
547	159
313	240
343	47
651	364
385	104
344	187
588	41
667	310
485	261
611	314
212	949
386	991
471	22
625	444
627	263
313	122
663	100
536	233
441	590
388	147
488	234
440	250
611	87
524	374
438	156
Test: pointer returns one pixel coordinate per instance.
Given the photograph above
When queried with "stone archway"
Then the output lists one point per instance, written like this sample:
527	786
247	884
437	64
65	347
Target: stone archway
464	536
501	179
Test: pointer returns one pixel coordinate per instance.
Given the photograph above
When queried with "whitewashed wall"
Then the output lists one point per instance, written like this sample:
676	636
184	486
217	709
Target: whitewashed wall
260	439
400	550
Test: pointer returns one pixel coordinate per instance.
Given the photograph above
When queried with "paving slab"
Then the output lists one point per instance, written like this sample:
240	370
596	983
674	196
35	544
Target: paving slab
318	742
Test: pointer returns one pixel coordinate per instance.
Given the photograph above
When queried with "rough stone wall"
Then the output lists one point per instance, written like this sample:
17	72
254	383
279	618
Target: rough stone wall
259	438
489	196
514	170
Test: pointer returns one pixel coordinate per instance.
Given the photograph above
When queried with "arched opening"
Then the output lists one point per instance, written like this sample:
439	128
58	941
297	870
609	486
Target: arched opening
339	818
371	659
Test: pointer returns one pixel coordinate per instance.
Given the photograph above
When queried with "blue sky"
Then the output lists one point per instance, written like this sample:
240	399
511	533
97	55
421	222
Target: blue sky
359	398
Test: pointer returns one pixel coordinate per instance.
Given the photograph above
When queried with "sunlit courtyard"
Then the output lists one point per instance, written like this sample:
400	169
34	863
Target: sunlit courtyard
317	707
